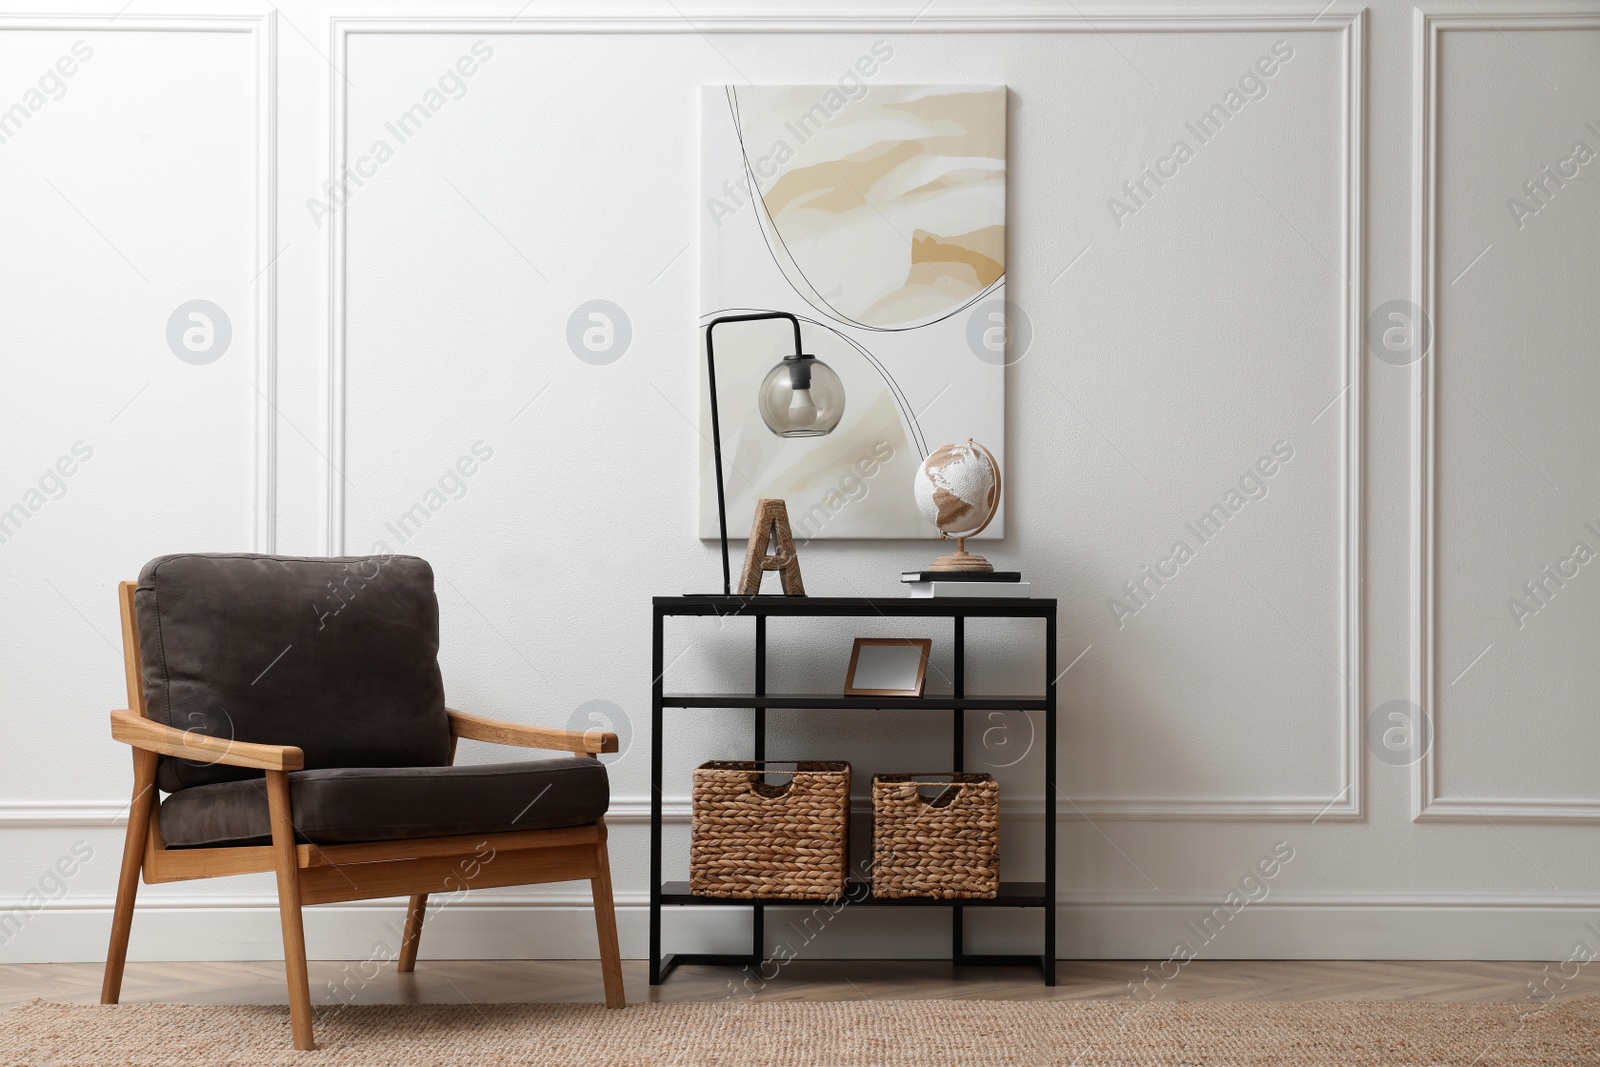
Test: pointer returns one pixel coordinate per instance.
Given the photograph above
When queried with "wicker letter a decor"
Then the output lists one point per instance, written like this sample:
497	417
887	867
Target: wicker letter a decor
772	524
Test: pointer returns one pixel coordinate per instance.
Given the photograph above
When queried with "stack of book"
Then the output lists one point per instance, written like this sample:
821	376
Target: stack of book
964	583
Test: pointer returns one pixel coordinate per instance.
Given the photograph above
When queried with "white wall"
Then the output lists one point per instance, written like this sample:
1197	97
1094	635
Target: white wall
375	343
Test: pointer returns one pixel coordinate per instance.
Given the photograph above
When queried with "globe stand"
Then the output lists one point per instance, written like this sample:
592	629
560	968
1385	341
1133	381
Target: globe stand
961	560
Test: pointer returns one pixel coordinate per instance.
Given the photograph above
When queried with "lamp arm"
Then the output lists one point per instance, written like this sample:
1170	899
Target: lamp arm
716	428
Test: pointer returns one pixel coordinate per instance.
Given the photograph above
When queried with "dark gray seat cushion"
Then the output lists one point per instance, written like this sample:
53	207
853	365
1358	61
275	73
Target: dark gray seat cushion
385	804
337	656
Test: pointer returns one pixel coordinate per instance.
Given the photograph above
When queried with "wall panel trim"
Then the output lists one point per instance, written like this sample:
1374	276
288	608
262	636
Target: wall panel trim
1347	803
1427	805
263	29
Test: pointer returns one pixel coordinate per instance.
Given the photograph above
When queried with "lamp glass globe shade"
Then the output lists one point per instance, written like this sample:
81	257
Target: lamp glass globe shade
802	398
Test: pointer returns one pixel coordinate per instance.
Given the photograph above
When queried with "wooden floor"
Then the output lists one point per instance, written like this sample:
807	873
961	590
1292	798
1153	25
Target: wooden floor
482	981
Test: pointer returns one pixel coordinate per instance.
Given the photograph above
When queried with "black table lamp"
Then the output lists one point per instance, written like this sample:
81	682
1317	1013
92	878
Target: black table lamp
800	397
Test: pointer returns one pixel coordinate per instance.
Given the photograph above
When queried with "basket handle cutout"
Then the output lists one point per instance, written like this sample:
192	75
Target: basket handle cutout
938	796
760	786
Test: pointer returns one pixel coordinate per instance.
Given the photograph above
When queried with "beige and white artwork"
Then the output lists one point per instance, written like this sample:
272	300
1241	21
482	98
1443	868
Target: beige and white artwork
876	215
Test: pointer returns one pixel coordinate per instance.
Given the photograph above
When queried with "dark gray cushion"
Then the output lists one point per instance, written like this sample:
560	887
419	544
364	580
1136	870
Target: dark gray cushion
337	656
386	804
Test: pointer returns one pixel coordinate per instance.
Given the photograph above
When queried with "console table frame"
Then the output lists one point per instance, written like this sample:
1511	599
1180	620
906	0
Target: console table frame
1040	894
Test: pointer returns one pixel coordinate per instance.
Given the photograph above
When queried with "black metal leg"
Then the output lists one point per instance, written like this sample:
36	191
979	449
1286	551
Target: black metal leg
958	687
958	759
761	686
1047	962
758	915
656	691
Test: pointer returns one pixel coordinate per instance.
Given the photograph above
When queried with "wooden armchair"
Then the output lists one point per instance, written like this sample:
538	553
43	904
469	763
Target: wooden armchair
347	816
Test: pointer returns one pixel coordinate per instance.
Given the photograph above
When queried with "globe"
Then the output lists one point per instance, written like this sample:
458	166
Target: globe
957	488
954	488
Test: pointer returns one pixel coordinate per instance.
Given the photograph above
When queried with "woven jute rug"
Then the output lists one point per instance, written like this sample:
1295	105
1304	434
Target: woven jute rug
924	1033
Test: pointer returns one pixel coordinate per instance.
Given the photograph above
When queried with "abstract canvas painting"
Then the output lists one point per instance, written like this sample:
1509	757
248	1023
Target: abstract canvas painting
876	214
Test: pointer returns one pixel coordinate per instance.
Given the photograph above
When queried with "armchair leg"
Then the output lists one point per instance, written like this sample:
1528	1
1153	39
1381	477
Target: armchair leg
294	937
144	793
416	913
605	922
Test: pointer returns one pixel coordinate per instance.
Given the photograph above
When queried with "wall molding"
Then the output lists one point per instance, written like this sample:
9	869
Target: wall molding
263	29
635	811
63	814
1347	803
1427	805
560	926
266	383
67	814
526	897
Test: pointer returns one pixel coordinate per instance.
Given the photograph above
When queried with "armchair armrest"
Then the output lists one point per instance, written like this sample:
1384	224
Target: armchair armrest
499	732
156	737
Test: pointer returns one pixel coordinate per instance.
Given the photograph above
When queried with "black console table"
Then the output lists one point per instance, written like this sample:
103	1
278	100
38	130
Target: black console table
1040	895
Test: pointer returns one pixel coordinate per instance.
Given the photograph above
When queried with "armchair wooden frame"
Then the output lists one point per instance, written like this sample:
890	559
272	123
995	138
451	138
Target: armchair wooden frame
326	874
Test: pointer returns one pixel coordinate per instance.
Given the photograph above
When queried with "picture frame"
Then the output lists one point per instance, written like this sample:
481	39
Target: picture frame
888	667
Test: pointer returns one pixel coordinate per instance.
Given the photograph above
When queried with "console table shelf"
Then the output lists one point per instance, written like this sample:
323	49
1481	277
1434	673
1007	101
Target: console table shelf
859	895
820	702
1012	894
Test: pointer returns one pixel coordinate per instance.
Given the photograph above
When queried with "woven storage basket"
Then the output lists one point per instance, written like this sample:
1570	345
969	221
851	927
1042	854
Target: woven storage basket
752	840
945	846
